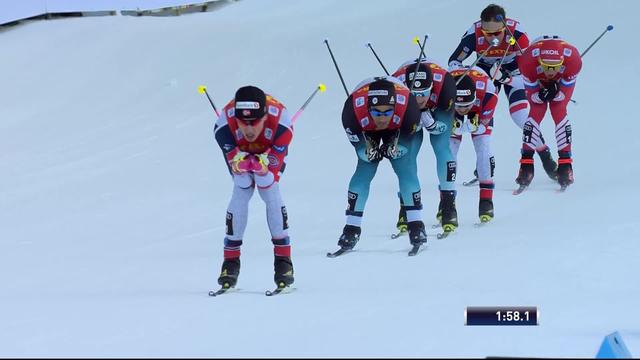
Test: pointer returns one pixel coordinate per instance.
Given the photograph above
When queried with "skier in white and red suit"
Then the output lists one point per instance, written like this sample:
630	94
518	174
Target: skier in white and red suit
501	63
550	67
475	103
254	132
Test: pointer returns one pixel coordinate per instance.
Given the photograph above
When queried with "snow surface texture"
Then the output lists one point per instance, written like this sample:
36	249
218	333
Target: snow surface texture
113	192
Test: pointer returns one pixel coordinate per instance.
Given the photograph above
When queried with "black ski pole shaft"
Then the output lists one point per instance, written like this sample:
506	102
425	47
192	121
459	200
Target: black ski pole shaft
321	88
203	90
501	19
494	43
511	42
415	71
326	41
609	28
378	58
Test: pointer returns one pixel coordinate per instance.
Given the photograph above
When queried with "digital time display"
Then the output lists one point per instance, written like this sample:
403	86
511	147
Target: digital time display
501	315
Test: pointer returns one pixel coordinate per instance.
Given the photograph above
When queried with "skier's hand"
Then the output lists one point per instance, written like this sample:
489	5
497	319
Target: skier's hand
389	147
548	93
260	164
502	76
373	152
472	124
241	163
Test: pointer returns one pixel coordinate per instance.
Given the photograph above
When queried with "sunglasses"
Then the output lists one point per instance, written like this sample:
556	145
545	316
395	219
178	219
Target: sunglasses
421	93
375	112
492	33
553	67
463	106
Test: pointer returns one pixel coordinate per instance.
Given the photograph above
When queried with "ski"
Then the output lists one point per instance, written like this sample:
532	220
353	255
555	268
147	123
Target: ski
470	182
562	189
338	252
484	220
281	289
223	290
399	234
415	249
520	189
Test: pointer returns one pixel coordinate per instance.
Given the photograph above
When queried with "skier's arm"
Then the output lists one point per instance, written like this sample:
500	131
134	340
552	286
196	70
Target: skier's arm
354	131
466	47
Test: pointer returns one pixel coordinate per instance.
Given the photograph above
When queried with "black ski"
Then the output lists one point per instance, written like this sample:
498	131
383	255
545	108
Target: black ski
520	189
470	182
338	252
281	289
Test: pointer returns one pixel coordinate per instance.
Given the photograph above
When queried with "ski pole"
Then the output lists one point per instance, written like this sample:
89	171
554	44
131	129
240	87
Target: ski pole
376	55
326	41
494	43
203	90
609	28
501	19
321	88
512	41
415	71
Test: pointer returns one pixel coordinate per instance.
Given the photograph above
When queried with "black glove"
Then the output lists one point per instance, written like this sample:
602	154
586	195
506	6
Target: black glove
547	93
389	148
373	150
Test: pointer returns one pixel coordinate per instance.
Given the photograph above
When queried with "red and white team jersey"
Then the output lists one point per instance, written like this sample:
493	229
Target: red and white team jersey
273	140
556	49
438	78
486	99
360	98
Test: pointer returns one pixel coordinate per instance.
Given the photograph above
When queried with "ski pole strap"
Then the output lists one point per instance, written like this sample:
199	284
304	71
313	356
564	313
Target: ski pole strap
379	61
609	28
326	41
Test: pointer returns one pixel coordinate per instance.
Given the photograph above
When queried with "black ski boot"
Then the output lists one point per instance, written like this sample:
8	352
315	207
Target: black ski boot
485	210
447	210
549	165
565	170
283	271
230	271
417	233
525	175
350	236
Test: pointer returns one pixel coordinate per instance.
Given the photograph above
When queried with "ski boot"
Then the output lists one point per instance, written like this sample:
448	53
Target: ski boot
229	274
447	214
283	271
485	210
349	238
565	170
417	233
549	165
525	175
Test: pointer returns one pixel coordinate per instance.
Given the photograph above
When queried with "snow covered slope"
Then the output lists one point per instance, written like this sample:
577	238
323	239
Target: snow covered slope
113	192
